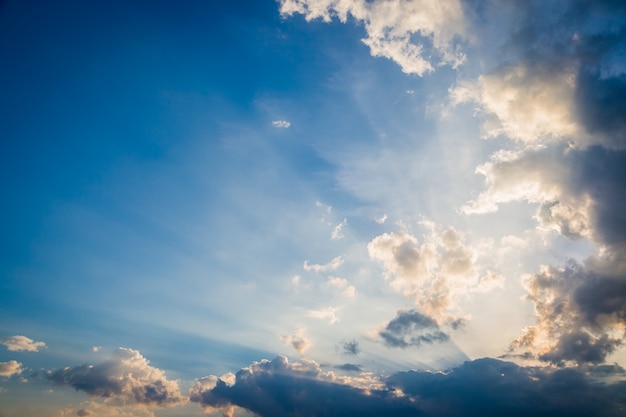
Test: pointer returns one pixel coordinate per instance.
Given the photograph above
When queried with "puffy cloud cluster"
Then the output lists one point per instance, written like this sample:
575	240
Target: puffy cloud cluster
431	272
483	387
125	378
22	343
417	34
10	368
560	98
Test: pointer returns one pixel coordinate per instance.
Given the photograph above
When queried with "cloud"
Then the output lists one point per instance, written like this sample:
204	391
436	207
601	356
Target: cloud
337	231
297	341
350	347
10	368
484	387
334	264
412	328
349	367
432	272
342	285
328	313
580	311
417	34
281	124
22	343
125	378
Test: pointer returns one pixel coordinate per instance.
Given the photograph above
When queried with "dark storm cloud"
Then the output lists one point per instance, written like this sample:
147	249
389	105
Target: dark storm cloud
126	376
412	328
484	387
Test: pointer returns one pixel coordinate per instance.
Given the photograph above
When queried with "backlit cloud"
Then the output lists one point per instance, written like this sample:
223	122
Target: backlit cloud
483	387
418	35
125	378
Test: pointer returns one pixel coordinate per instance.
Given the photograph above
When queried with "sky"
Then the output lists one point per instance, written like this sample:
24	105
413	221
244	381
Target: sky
312	208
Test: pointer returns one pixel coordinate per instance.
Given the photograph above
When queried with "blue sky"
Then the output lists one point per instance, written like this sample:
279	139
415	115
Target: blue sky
238	208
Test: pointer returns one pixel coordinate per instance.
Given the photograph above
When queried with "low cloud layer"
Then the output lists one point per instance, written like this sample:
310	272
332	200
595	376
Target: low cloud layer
485	387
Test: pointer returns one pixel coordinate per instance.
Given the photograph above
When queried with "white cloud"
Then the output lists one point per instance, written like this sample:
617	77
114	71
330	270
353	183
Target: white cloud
328	313
526	104
281	124
342	285
337	231
330	266
22	343
417	34
381	220
326	207
10	368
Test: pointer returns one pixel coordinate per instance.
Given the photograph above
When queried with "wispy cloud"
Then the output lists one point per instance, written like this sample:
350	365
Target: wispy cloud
281	124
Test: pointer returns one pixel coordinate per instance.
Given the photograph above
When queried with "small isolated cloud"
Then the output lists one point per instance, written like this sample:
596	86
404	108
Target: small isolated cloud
341	284
349	367
125	378
337	231
334	264
350	347
326	208
281	124
96	348
412	328
328	313
381	220
22	343
297	341
10	368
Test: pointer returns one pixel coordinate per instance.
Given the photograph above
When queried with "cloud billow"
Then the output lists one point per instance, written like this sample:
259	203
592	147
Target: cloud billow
484	387
126	377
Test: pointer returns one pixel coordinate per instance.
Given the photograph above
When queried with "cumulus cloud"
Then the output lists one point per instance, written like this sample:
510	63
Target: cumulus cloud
580	310
125	378
10	368
281	124
22	343
431	272
334	264
418	35
478	388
